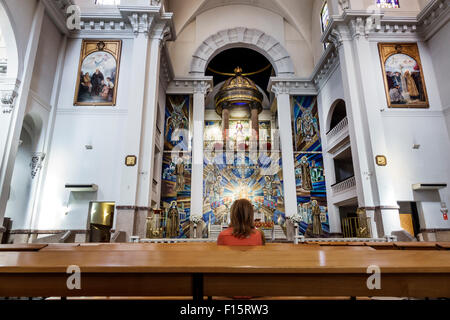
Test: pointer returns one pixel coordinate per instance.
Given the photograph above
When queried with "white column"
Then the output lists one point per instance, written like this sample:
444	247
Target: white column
287	149
200	90
18	112
374	183
36	199
125	213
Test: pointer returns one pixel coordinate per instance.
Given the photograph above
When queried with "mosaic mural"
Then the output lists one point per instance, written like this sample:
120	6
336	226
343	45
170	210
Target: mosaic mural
176	168
309	170
227	177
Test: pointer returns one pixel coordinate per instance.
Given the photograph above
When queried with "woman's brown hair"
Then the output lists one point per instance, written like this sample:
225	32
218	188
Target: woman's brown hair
242	218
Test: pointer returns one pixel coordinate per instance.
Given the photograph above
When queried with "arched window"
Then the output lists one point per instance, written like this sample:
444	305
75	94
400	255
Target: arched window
324	16
107	2
388	4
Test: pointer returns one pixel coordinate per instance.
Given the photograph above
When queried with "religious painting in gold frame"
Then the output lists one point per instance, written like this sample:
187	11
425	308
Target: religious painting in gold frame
98	73
403	75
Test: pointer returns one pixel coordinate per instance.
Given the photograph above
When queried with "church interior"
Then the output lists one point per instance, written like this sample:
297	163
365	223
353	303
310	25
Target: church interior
128	128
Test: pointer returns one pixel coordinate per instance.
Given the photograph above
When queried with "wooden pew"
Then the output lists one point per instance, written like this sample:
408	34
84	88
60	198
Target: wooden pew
208	270
21	247
416	245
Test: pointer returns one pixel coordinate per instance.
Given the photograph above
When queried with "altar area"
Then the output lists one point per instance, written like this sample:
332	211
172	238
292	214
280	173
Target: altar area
242	158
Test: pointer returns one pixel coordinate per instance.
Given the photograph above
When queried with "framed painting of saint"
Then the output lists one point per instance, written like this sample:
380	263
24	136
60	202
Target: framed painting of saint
403	75
98	73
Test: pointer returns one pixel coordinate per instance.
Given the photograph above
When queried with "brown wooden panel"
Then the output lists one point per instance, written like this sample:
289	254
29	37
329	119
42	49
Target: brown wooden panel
22	247
96	284
416	245
398	285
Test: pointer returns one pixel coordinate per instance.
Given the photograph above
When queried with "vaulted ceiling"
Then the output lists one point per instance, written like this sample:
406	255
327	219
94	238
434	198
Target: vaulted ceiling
297	13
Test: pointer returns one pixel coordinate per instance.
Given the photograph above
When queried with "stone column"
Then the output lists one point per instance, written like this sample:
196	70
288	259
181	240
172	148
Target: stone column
225	123
254	112
374	183
200	90
18	110
287	151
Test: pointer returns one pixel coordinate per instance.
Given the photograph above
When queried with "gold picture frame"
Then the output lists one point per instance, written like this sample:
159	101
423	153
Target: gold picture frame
98	73
403	75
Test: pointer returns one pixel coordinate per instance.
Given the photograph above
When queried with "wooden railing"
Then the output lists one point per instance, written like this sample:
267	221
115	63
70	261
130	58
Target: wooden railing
344	185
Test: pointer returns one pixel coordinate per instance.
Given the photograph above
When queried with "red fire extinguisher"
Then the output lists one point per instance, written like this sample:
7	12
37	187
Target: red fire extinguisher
444	211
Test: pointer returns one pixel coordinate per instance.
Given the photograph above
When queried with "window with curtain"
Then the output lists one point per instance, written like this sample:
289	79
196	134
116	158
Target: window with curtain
388	4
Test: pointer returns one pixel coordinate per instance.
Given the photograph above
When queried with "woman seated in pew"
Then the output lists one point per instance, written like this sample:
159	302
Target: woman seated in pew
242	230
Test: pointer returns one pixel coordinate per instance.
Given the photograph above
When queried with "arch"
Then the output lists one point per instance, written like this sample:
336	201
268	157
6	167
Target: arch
253	39
337	113
7	30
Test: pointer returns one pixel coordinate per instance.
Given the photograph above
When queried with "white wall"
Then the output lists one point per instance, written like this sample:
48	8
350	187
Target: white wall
426	127
17	207
69	160
230	16
438	49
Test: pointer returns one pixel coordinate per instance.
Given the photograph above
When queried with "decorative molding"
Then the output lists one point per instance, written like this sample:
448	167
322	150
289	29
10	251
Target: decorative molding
189	85
292	86
35	96
202	87
435	230
92	111
251	38
56	10
34	231
36	163
8	98
135	208
412	113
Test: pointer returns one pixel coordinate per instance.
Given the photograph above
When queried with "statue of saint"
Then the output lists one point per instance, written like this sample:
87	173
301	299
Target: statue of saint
179	172
306	174
173	221
317	225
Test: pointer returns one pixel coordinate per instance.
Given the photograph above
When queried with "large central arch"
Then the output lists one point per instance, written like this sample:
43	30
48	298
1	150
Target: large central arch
254	39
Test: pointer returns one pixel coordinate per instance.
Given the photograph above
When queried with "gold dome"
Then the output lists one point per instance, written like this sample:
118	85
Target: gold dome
237	91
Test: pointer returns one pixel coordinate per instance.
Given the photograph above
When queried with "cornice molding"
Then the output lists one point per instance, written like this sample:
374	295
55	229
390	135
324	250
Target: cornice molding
292	86
190	85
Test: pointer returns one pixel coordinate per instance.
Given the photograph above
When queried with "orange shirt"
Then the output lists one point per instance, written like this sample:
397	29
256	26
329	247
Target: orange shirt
226	238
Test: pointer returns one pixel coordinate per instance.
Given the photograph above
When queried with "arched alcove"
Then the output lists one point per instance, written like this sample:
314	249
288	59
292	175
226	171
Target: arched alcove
18	206
241	37
338	112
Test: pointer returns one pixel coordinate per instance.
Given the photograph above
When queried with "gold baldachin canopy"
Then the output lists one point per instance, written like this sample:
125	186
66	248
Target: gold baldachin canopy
238	89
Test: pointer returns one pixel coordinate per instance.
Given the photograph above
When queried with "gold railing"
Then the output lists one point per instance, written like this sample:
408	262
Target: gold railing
356	227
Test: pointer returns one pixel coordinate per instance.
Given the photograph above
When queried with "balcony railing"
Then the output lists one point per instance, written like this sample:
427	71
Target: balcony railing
338	128
344	185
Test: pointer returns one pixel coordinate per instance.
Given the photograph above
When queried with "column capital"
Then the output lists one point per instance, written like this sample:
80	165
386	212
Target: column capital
190	85
9	91
202	87
292	86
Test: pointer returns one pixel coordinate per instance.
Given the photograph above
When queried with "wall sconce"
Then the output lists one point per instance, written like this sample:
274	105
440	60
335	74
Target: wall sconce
416	146
89	147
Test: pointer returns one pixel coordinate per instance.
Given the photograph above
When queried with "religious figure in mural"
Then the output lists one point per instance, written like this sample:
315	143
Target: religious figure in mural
316	217
173	221
306	174
239	131
177	120
307	124
179	172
